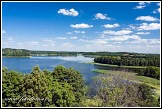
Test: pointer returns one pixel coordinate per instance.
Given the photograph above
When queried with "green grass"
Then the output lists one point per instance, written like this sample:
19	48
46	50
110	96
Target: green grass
154	83
110	65
150	81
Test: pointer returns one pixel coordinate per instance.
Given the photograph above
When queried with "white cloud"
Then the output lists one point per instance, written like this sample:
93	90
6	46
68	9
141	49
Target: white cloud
19	43
61	38
70	12
147	18
95	41
143	33
125	37
142	5
151	26
10	38
159	10
82	25
3	31
111	25
74	37
69	33
48	42
79	32
132	26
67	45
146	41
121	32
32	43
100	42
5	43
102	16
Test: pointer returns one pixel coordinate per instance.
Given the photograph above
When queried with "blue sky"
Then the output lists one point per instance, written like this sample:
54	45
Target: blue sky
82	26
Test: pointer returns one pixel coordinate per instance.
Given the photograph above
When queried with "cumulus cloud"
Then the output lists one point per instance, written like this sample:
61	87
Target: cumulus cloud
121	32
100	42
82	25
74	37
145	26
69	33
102	16
147	18
79	32
70	12
62	38
146	41
125	37
157	10
143	33
95	41
3	31
151	26
142	5
111	25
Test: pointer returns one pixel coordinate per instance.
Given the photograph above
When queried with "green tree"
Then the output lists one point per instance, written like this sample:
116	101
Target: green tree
72	77
11	87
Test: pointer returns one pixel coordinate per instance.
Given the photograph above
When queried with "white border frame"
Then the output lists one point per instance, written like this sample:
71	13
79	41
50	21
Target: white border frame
79	1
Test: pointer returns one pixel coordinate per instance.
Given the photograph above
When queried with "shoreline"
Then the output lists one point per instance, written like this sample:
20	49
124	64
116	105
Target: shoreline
16	56
115	66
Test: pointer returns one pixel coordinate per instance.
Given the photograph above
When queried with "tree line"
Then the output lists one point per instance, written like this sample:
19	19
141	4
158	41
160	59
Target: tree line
65	87
24	52
15	52
128	61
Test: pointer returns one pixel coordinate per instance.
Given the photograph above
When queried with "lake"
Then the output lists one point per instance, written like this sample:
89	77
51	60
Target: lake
25	65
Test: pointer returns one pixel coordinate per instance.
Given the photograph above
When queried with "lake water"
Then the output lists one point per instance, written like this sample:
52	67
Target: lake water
25	65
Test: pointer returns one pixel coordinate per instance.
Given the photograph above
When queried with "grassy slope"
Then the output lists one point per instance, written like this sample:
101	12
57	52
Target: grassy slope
154	83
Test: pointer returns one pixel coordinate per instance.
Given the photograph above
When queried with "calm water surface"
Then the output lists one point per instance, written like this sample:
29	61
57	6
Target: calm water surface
25	65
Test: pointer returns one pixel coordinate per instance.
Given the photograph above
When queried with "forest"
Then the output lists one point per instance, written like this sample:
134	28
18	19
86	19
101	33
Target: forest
129	61
65	87
152	64
24	52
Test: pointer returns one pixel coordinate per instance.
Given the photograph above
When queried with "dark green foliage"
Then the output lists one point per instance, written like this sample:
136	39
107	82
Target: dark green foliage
72	77
62	88
150	71
11	87
129	61
15	52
